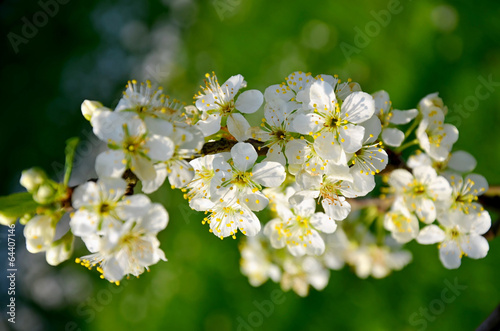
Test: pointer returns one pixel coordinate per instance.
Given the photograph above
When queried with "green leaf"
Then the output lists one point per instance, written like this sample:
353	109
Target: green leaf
71	144
17	205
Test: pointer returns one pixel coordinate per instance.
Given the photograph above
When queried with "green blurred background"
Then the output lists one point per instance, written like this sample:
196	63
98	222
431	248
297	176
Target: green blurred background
89	49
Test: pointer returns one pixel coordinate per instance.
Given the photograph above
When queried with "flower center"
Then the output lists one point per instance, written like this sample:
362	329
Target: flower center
241	179
329	191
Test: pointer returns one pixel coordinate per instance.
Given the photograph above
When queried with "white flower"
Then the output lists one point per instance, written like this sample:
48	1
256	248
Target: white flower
101	206
242	179
332	189
228	217
465	192
390	117
402	224
299	273
420	190
431	102
377	261
336	245
135	249
157	110
256	263
335	128
371	159
462	235
458	161
60	250
32	178
89	107
275	131
131	147
199	187
218	102
188	141
39	233
297	229
435	137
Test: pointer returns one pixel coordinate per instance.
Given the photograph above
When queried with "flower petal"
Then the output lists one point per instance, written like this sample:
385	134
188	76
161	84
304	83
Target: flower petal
358	107
249	101
269	174
238	126
393	137
431	234
243	155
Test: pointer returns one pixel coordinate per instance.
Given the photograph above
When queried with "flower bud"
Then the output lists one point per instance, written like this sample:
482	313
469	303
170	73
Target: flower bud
45	194
32	178
7	221
60	250
89	107
39	233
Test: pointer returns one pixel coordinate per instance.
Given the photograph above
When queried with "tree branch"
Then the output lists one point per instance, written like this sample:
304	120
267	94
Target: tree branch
225	145
492	322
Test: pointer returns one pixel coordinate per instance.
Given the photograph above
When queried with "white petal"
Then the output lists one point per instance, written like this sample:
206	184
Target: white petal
351	137
158	126
269	174
159	148
323	223
480	185
400	178
210	125
462	161
425	175
308	123
249	101
108	125
155	220
382	102
425	210
255	201
440	189
393	137
275	154
150	186
110	164
475	246
337	210
133	206
358	107
481	222
143	168
373	127
450	254
111	189
403	116
431	234
181	173
321	95
85	195
238	126
243	155
83	223
328	147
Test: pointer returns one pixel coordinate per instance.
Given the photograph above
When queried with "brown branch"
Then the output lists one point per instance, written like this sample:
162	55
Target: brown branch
225	145
492	322
382	204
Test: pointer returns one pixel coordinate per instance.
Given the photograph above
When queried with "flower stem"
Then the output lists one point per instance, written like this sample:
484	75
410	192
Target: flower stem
411	128
405	146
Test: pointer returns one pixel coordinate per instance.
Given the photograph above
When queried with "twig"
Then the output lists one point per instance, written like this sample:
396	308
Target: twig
492	322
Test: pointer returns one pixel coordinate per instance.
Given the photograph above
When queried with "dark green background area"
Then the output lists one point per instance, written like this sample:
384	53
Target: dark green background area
79	54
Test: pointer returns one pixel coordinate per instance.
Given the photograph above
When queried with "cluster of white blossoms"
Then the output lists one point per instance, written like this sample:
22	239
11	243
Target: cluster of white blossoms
299	185
437	202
